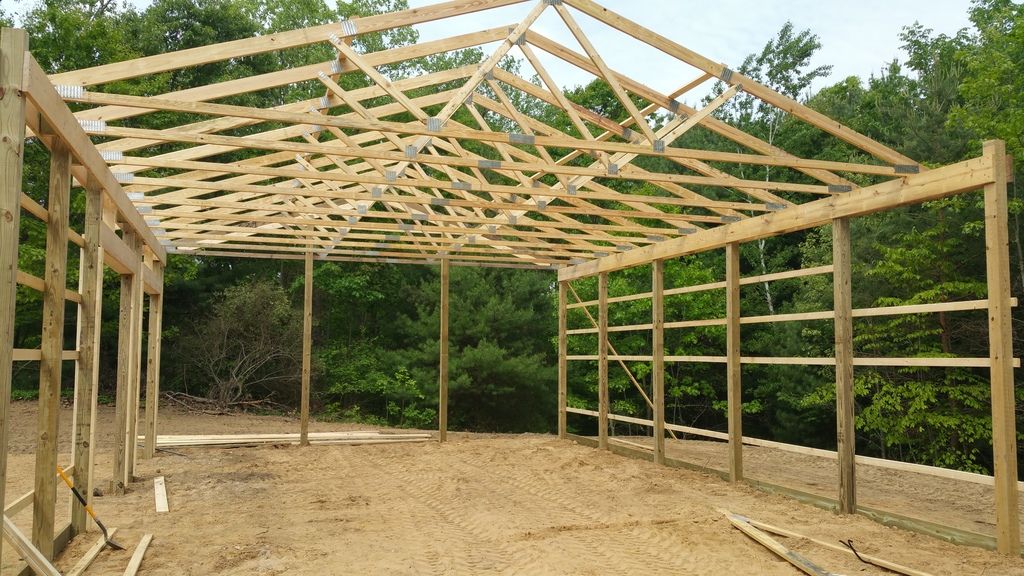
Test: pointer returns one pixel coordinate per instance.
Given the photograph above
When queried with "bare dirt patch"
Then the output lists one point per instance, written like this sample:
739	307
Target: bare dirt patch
480	504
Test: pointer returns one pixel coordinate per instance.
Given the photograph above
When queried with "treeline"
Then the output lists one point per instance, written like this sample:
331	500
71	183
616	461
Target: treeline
376	328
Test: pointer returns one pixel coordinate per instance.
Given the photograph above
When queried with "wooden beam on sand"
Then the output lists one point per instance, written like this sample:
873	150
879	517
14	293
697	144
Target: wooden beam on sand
37	561
137	556
91	554
797	560
160	494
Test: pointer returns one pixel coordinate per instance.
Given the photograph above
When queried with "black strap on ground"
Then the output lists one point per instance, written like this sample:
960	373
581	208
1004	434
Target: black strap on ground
849	544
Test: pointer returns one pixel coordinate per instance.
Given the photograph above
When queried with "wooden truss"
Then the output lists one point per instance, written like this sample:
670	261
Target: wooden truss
387	172
465	166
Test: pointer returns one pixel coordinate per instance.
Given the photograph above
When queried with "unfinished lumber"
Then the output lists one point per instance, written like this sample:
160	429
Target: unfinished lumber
87	368
138	322
52	347
155	330
658	357
801	563
32	555
899	568
307	348
160	494
845	418
914	189
442	387
126	344
90	555
602	360
1000	337
563	352
233	440
136	559
13	47
733	361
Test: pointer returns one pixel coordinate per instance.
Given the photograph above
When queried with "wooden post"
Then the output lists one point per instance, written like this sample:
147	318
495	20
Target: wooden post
44	499
138	318
156	312
442	387
602	361
563	353
658	356
307	350
88	368
126	344
733	370
1004	434
13	44
845	423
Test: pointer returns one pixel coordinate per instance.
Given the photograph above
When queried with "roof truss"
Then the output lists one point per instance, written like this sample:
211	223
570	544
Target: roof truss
461	164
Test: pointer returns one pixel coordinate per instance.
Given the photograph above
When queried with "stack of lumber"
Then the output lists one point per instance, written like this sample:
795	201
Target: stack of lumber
234	440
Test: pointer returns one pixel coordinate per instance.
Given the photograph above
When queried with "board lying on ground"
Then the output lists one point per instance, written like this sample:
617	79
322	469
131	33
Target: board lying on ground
230	440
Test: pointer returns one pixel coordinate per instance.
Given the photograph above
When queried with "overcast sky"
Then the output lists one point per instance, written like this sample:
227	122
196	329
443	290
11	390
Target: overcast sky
858	38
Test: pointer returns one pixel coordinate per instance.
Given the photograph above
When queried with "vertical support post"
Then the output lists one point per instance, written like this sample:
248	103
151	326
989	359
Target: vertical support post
44	499
131	285
733	367
602	360
88	367
307	350
442	385
13	44
156	314
845	423
658	356
1004	433
138	317
563	358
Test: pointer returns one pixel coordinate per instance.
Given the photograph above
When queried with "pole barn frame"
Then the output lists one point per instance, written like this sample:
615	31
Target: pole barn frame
336	178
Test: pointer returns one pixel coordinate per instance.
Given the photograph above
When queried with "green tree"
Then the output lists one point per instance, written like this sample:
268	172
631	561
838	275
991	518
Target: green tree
250	344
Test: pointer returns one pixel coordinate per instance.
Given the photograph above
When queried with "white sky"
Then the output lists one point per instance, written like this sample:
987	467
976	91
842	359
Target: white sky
858	38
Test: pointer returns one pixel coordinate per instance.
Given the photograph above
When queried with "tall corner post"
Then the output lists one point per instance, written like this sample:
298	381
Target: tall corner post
87	370
845	423
563	361
602	361
13	46
44	498
307	350
1004	433
658	356
734	395
442	382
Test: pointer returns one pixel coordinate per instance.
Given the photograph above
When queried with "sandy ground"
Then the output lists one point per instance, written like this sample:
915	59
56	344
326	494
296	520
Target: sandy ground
963	505
480	504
